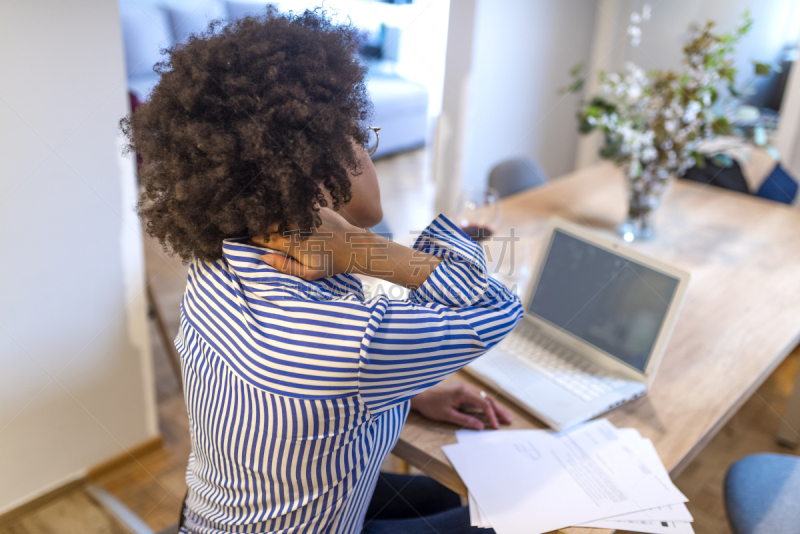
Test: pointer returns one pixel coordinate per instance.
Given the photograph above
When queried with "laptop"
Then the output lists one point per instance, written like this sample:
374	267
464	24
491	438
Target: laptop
598	316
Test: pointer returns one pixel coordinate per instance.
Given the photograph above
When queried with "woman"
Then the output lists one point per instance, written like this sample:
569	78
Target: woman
254	170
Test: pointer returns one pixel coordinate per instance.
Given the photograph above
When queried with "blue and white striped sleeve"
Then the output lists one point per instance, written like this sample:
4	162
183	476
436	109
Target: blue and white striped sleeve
454	317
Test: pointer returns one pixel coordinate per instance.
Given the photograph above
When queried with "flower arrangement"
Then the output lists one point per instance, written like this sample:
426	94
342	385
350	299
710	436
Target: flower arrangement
652	122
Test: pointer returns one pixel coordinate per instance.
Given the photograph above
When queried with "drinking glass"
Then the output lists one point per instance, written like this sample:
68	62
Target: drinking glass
479	216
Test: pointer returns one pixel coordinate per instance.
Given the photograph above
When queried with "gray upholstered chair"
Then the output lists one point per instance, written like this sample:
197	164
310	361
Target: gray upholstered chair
515	175
762	493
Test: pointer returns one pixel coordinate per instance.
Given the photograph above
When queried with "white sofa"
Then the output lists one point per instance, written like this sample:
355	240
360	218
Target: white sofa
400	105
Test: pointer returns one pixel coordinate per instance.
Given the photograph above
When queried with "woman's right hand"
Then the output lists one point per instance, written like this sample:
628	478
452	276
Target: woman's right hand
327	252
337	246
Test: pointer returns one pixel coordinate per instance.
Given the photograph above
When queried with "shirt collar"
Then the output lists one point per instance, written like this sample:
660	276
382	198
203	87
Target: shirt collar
244	260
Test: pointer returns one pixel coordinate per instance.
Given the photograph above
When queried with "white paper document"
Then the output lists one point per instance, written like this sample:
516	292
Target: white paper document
476	518
551	481
675	512
662	519
656	527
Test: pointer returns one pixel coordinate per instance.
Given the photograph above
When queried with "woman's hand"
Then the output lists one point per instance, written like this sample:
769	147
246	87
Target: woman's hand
336	247
444	403
327	252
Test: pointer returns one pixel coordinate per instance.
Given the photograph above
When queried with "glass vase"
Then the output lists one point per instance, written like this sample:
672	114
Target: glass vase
639	224
644	197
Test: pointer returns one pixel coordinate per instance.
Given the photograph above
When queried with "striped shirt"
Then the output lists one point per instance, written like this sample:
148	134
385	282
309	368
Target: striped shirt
297	391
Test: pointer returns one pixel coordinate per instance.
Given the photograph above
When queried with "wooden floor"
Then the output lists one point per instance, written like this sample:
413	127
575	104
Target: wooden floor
153	487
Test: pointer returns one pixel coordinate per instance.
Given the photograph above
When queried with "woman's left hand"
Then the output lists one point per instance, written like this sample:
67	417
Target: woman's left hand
443	403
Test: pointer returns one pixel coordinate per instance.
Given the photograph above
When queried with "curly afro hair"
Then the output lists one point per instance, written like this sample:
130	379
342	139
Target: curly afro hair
248	122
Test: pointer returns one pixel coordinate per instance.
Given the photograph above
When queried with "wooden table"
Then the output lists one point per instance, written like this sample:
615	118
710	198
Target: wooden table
740	319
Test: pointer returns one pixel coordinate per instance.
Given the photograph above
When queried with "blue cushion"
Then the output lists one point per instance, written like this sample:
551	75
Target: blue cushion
762	494
778	186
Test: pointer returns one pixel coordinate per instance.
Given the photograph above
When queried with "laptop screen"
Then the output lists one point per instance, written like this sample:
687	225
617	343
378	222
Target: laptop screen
607	300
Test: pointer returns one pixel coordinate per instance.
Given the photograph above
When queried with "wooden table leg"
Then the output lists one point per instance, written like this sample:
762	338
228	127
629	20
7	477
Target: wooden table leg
789	432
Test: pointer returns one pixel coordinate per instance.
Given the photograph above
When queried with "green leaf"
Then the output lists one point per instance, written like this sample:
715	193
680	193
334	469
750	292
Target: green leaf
577	69
747	24
610	150
721	126
700	160
728	74
761	69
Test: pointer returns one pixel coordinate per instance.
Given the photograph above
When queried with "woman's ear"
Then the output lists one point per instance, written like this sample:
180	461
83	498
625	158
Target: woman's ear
365	203
364	209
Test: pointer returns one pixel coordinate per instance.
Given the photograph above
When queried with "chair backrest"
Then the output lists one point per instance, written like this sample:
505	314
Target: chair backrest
515	175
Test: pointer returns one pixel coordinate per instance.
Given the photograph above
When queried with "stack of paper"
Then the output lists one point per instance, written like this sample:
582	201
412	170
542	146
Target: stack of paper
595	475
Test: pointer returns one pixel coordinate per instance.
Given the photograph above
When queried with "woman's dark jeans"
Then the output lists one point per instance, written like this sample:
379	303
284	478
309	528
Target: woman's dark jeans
406	504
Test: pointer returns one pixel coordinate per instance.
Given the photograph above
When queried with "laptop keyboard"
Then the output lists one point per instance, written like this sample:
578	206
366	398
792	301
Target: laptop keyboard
574	373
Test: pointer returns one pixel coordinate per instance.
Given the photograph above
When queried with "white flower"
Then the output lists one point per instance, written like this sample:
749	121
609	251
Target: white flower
691	112
670	126
634	91
649	154
635	33
636	18
646	12
634	169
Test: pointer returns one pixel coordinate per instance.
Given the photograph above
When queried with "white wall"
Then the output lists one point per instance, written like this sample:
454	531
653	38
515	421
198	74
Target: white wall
521	53
76	384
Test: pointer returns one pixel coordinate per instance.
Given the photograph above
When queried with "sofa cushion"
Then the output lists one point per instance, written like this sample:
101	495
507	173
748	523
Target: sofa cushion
237	10
400	108
779	186
184	22
146	31
393	94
